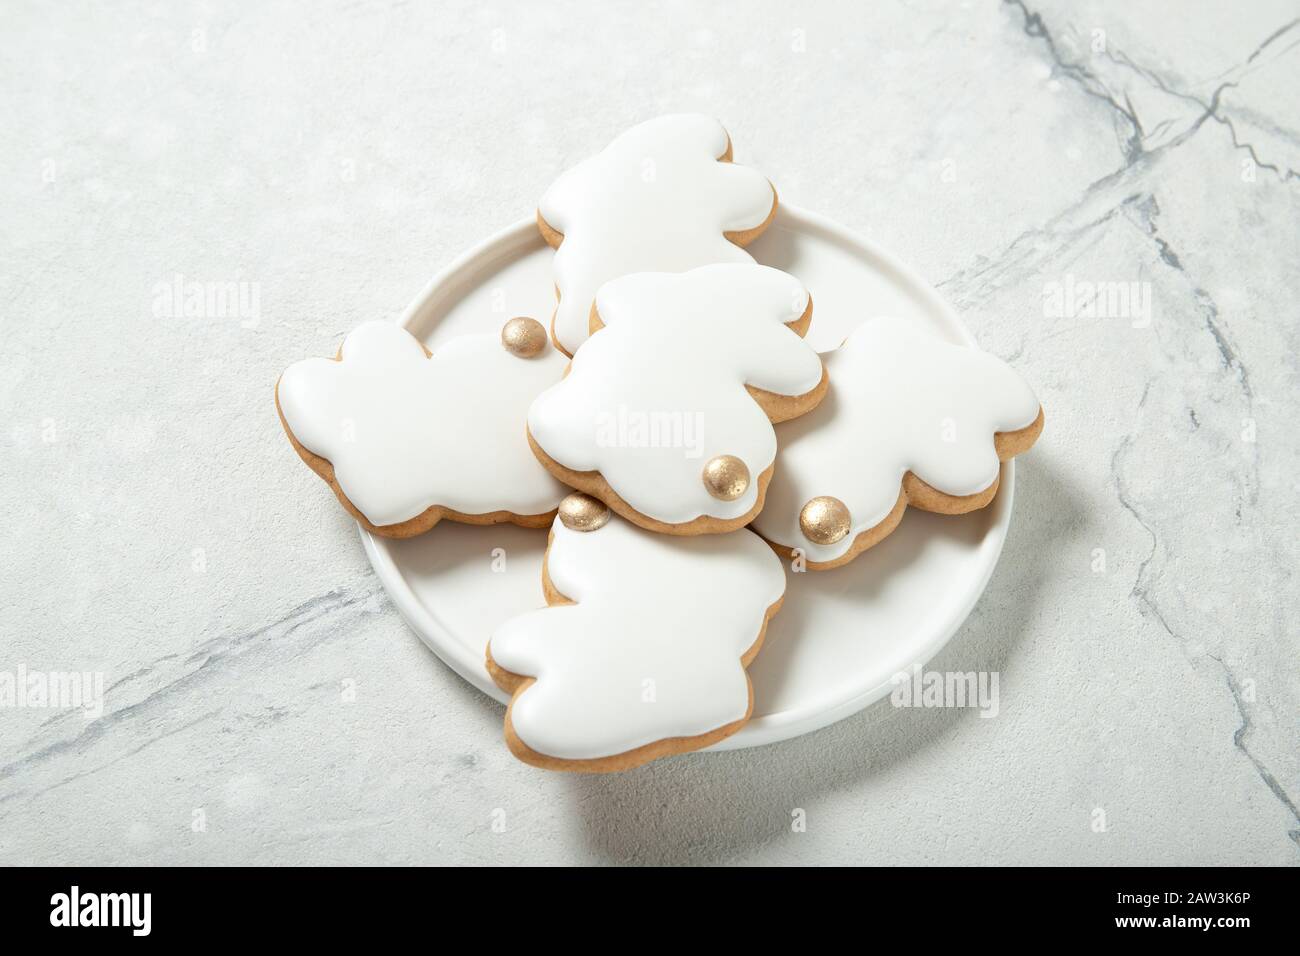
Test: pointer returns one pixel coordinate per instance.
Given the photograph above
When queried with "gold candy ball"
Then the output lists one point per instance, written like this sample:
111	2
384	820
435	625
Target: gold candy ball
824	520
726	477
579	512
523	336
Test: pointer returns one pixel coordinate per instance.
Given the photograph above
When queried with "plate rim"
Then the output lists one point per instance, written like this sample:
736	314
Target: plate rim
765	729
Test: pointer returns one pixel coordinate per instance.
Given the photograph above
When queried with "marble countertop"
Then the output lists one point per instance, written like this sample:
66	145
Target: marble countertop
263	702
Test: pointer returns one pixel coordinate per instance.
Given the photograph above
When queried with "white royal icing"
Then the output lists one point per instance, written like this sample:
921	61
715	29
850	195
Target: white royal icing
652	647
899	400
406	432
661	389
655	200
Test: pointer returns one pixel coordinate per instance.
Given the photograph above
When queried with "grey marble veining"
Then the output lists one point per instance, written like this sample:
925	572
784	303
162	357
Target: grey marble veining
262	700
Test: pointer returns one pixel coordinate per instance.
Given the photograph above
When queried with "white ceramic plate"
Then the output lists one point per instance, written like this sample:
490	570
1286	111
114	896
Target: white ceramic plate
842	634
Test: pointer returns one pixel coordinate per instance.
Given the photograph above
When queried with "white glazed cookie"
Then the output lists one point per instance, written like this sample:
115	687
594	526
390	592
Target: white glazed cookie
909	419
643	649
666	412
405	438
656	199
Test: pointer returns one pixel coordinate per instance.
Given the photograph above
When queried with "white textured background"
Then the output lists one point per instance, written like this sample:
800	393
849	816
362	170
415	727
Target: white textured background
337	154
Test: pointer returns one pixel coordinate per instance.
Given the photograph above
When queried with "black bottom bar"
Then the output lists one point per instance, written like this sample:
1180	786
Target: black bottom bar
336	906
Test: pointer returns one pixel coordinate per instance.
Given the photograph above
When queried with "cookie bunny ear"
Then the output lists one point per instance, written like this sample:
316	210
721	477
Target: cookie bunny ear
682	131
737	187
758	311
964	454
782	311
